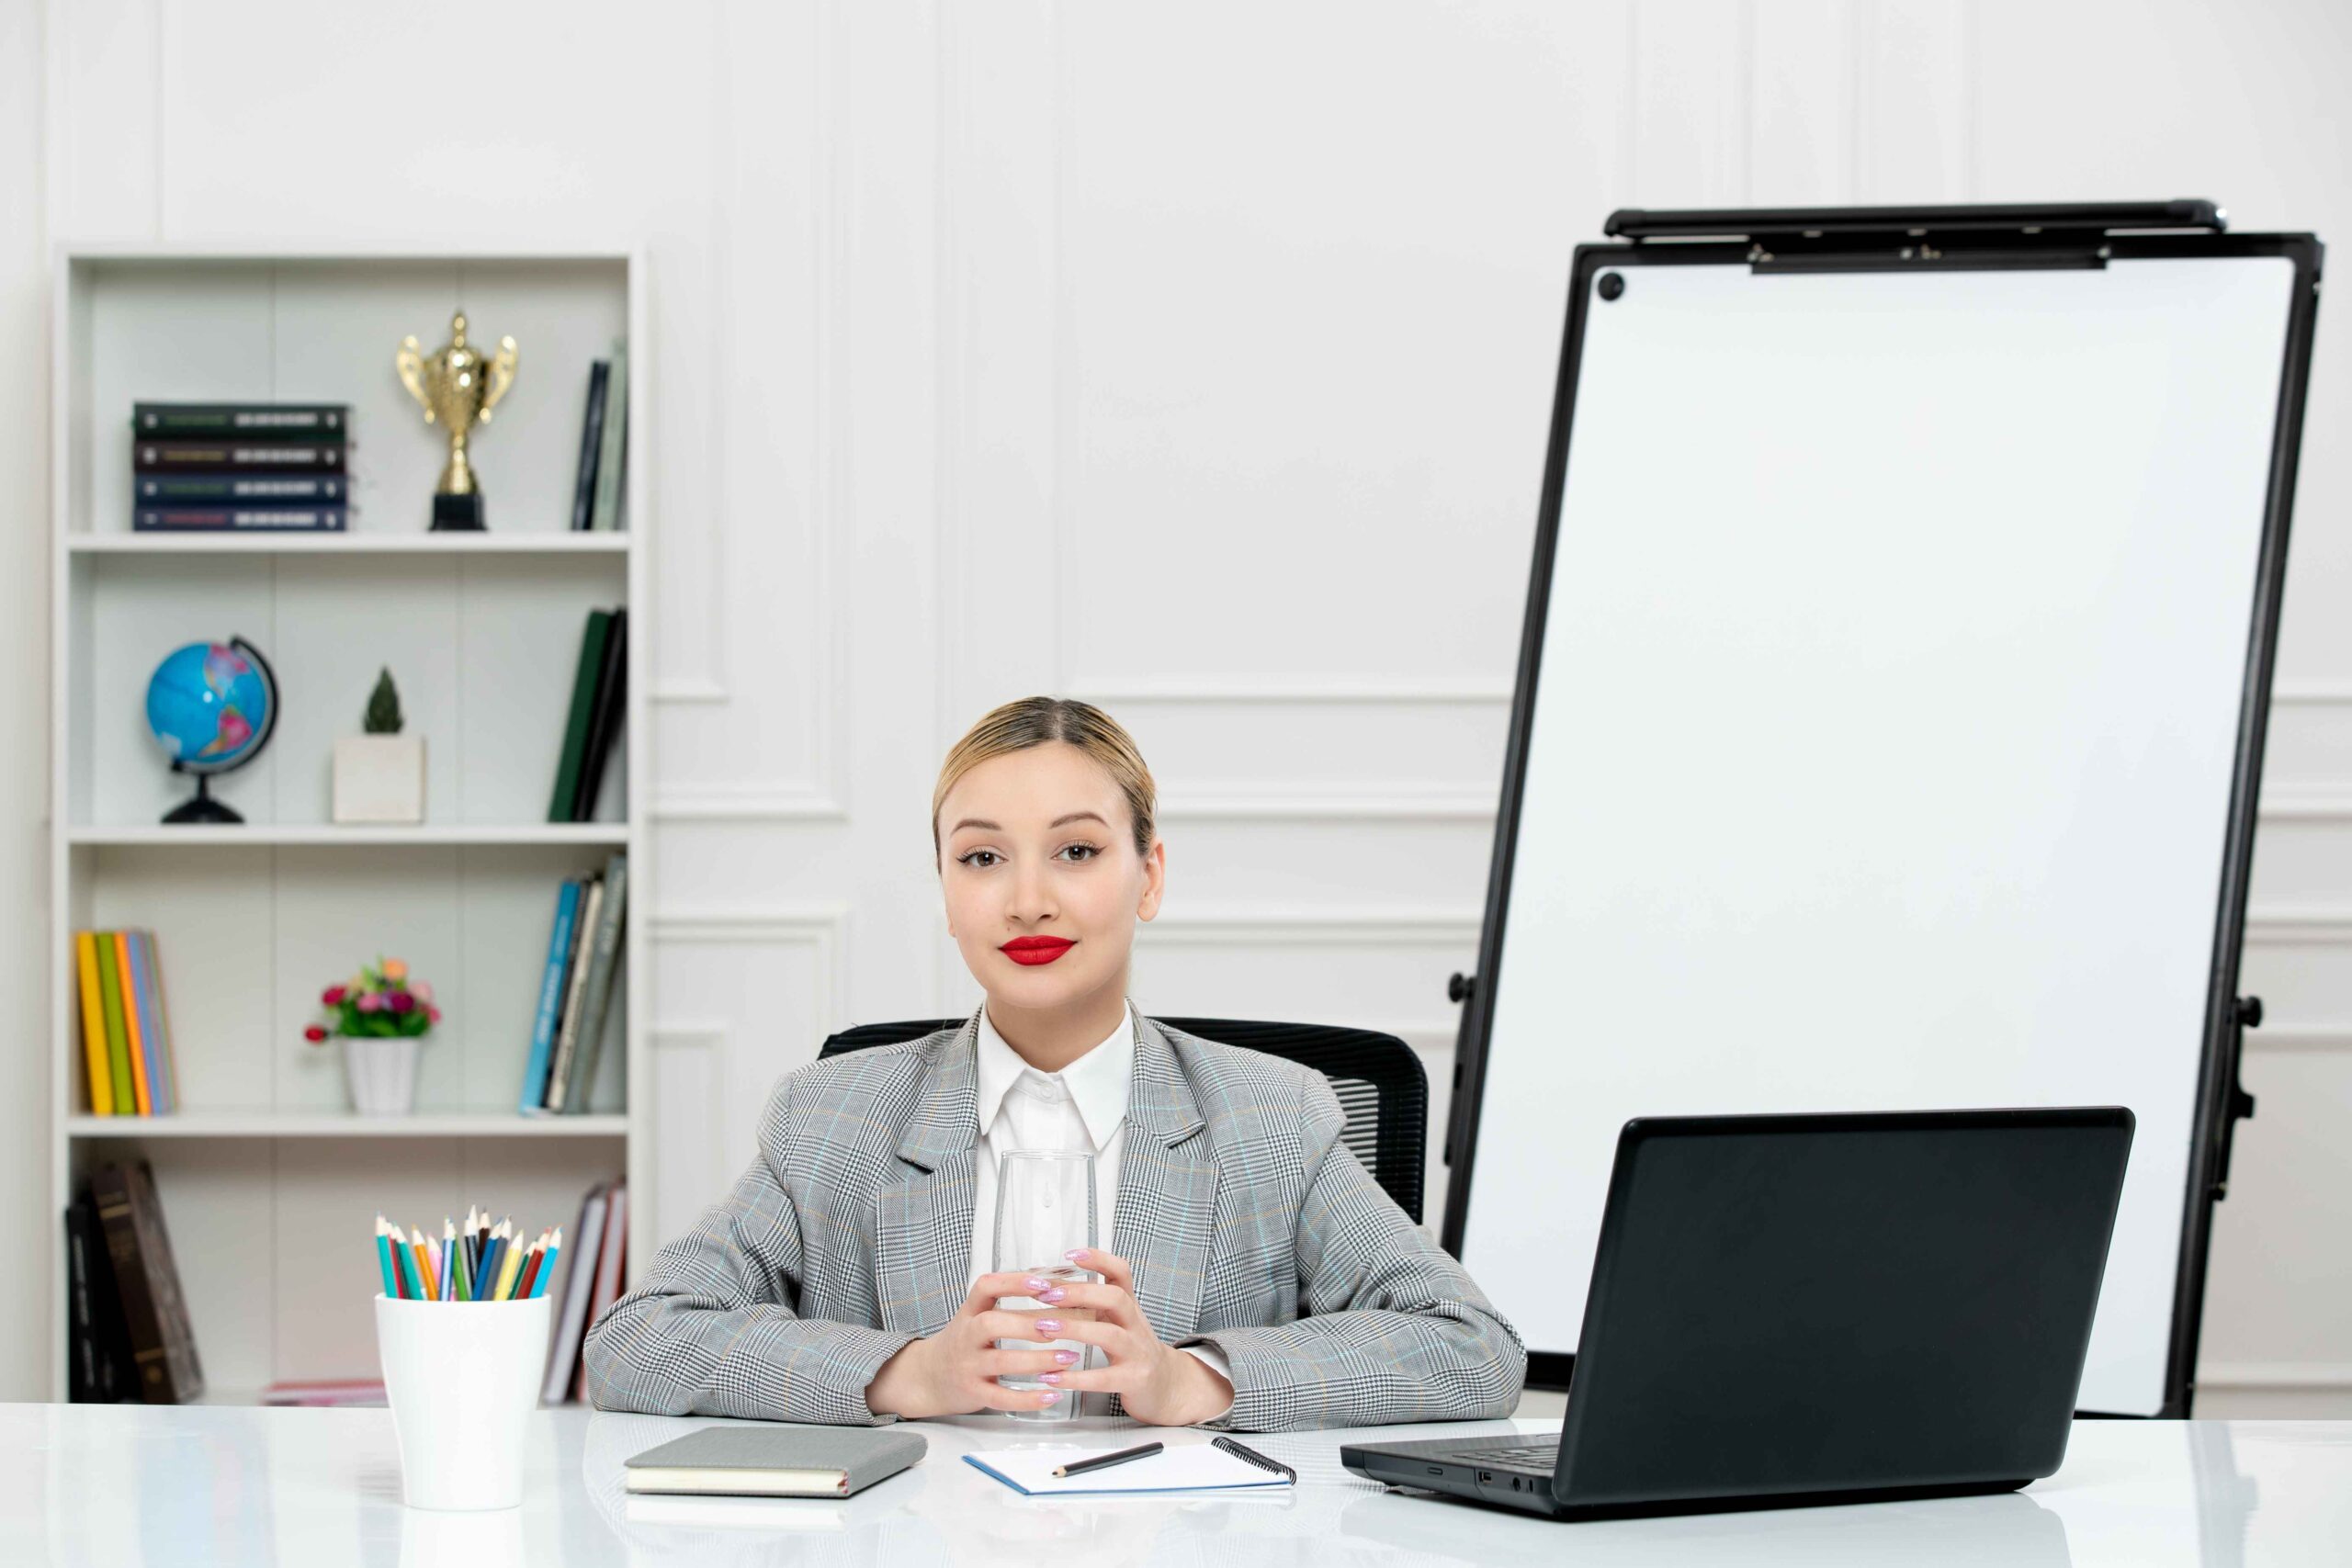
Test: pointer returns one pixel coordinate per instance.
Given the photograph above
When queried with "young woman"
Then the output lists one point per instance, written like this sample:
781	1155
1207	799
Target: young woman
1256	1277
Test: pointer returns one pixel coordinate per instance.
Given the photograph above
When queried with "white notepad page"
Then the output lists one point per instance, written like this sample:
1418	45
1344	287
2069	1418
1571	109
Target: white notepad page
1193	1467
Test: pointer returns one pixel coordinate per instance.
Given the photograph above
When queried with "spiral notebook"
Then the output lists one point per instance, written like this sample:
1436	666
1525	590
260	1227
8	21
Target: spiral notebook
1193	1467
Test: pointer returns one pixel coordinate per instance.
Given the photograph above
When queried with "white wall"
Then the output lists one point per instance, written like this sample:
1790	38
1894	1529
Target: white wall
1197	363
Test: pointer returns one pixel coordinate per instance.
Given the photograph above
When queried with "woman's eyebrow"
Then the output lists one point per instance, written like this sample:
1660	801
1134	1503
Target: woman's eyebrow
997	828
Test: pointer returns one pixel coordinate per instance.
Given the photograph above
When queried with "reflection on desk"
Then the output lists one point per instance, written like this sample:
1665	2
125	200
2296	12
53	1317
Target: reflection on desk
125	1485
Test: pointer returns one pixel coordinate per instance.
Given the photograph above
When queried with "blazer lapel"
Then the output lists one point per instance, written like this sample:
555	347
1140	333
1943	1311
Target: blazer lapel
923	1238
1167	1210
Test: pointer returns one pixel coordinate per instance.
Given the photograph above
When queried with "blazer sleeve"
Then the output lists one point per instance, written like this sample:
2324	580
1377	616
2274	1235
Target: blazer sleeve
713	1330
1391	1328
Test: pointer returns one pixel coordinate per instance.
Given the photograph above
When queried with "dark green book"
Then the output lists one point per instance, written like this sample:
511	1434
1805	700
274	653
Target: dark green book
273	422
583	701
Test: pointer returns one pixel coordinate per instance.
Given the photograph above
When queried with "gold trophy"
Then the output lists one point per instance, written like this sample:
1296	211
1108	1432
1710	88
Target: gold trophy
459	387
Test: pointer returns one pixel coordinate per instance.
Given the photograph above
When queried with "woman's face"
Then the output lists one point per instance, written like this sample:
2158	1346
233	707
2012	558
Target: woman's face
1039	843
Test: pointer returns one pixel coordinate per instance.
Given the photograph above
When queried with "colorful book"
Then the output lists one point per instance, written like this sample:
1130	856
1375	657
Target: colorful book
605	711
604	962
612	453
575	985
239	519
126	1098
535	1074
609	1260
134	1044
592	442
146	973
148	1282
276	421
233	457
575	732
94	1023
261	490
579	1284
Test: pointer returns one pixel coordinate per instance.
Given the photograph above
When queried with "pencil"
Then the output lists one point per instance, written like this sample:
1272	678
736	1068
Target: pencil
448	1259
384	1256
403	1266
473	1247
547	1264
463	1264
509	1265
531	1267
486	1279
424	1263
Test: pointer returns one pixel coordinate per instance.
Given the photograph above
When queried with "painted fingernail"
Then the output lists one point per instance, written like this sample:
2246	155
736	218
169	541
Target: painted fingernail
1036	1283
1049	1396
1067	1357
1054	1378
1075	1254
1049	1326
1050	1297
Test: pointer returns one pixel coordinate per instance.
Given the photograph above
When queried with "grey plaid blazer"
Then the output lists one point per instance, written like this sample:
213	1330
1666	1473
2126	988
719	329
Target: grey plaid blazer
1250	1226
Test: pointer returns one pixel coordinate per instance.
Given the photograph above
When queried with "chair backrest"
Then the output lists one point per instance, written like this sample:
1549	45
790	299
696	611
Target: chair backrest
1377	1078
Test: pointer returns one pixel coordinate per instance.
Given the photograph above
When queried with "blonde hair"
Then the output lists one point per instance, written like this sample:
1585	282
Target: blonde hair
1033	721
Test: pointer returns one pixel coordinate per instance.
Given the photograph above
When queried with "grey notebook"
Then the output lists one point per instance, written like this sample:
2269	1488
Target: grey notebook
773	1462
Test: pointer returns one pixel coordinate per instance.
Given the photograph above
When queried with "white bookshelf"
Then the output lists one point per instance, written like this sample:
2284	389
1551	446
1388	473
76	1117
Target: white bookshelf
269	1182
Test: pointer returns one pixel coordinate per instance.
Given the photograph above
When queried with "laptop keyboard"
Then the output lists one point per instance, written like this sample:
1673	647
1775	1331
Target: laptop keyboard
1544	1456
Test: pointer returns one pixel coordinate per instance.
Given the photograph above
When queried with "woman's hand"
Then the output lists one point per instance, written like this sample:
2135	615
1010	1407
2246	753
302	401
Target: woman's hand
954	1372
1158	1385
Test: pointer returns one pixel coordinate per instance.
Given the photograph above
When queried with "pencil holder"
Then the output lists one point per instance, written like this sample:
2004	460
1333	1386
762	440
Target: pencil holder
462	1379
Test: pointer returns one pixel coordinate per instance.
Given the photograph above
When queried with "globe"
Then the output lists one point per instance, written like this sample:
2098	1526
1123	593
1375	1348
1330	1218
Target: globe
212	706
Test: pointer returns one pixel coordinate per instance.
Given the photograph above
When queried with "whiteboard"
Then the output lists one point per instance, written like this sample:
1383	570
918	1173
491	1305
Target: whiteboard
1881	743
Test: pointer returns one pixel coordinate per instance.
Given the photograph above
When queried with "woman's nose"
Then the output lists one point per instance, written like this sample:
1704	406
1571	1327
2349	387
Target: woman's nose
1032	894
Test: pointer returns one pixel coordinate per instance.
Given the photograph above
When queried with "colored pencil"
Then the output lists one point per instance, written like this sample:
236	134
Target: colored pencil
448	1265
384	1256
423	1264
508	1267
531	1267
492	1256
547	1264
406	1267
465	1266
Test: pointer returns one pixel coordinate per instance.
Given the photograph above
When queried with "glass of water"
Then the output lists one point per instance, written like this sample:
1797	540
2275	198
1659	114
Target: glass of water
1045	1207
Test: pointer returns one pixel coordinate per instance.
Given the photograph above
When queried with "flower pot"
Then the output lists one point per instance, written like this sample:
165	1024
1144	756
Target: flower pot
382	1072
380	778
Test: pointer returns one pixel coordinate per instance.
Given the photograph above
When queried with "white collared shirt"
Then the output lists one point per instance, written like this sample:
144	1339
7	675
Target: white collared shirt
1081	1108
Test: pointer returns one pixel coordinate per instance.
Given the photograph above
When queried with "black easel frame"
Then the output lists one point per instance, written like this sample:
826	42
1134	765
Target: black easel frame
1939	238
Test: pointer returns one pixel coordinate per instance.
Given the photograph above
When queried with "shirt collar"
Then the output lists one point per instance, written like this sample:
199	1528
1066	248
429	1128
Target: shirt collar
1098	1081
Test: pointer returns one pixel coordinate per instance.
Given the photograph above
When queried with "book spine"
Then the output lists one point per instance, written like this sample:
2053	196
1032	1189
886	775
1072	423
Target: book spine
160	1089
180	1362
580	1260
608	1273
575	972
94	1024
236	457
603	716
264	490
134	1041
274	421
163	1017
592	441
606	514
604	961
575	730
535	1075
117	1042
82	1340
112	1190
233	519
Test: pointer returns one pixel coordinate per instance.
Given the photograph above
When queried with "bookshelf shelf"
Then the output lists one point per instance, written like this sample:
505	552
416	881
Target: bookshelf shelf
554	834
266	1124
267	1182
357	542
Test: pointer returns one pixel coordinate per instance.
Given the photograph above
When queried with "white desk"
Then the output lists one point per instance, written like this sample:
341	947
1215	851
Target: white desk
120	1485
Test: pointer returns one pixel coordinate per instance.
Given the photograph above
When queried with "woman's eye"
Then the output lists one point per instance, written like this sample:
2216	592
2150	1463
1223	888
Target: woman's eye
1091	850
975	854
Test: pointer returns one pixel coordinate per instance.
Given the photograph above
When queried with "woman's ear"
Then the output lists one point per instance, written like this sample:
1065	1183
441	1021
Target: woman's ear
1155	880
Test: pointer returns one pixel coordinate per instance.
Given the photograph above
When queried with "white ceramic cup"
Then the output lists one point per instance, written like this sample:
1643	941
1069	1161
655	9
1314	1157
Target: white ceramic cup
462	1379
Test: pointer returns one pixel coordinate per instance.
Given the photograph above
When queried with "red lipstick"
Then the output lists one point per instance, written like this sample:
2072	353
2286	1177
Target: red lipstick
1035	950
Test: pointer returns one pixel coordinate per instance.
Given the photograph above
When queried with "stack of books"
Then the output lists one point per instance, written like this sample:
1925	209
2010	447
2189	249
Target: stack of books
127	1325
584	959
599	699
210	467
598	1254
598	499
126	1031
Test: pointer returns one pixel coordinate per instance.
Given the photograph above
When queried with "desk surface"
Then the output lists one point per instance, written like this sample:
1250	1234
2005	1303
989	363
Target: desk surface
125	1485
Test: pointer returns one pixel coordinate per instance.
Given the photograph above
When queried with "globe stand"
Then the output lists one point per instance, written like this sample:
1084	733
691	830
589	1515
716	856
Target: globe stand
203	809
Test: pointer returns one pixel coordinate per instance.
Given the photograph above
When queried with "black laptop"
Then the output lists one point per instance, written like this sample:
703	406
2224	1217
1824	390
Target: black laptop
1792	1310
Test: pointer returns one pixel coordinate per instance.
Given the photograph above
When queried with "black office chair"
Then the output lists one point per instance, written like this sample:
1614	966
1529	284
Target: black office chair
1379	1082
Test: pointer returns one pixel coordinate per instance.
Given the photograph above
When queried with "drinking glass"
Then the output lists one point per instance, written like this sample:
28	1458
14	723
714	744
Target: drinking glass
1045	1207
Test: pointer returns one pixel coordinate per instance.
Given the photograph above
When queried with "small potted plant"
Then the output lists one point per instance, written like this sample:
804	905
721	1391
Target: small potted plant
381	1013
380	776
